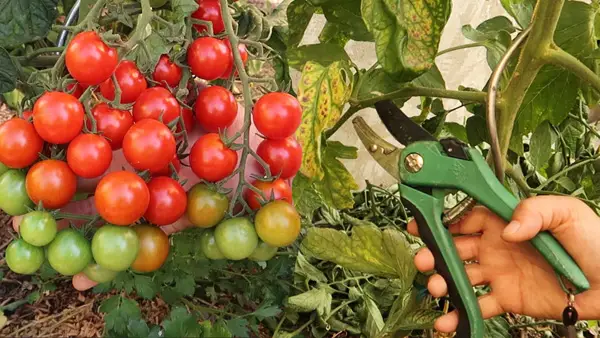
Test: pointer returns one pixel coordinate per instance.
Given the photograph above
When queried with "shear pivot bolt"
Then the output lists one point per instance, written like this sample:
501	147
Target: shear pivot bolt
413	162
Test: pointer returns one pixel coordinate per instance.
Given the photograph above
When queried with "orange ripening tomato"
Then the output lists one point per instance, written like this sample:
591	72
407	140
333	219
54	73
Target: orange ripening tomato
121	197
20	144
154	248
51	182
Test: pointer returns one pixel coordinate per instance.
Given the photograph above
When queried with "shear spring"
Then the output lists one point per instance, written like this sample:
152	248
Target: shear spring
457	212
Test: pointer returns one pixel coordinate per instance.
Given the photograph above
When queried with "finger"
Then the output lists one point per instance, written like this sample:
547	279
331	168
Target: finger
412	228
466	246
474	222
81	282
438	287
489	305
181	224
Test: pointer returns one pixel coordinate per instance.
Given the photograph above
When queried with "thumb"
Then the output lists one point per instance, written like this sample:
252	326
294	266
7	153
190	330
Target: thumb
567	218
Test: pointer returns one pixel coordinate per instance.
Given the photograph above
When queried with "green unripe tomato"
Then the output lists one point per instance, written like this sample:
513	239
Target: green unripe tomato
115	247
205	206
208	245
99	274
69	253
38	228
13	195
263	252
3	168
236	238
24	258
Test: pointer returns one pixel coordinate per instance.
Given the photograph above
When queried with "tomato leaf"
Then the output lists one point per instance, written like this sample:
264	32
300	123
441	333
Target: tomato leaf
186	285
265	311
218	329
456	130
8	72
345	17
322	93
119	311
369	250
542	144
494	33
374	320
321	53
496	327
308	271
144	286
377	82
316	299
521	10
181	324
238	327
476	130
138	328
183	8
407	33
409	314
337	184
23	21
333	34
554	91
306	197
299	13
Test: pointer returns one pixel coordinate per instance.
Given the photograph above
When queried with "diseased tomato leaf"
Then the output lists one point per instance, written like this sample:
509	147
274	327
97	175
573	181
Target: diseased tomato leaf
554	91
337	184
306	198
332	34
322	93
8	72
370	250
407	33
345	16
23	21
299	13
316	299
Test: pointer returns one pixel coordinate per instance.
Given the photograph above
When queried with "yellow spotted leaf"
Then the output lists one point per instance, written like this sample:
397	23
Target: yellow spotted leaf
322	92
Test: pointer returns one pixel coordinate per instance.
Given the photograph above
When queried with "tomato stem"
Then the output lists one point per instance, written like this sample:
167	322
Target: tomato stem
70	216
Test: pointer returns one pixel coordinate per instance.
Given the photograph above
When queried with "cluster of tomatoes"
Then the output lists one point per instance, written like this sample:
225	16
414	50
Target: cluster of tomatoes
132	207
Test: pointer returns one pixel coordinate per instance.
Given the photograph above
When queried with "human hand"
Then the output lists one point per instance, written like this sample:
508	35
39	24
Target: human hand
521	281
87	207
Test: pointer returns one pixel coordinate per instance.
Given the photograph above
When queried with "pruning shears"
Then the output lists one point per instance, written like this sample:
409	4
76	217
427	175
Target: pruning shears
426	169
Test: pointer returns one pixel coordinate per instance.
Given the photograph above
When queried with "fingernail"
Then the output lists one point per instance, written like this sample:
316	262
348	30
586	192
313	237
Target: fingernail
512	227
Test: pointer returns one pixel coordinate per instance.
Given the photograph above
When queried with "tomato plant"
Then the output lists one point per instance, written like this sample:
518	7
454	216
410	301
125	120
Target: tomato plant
111	123
277	189
58	117
284	157
277	115
38	228
121	197
24	258
236	238
208	245
168	201
277	223
154	248
215	108
115	247
149	145
206	207
156	103
209	10
69	253
52	183
211	160
208	58
20	144
14	199
130	80
167	72
89	60
89	155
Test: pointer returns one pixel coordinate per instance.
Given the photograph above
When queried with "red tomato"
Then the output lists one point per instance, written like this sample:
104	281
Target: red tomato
209	10
215	109
111	123
76	89
208	58
277	115
89	155
284	157
121	197
52	182
27	114
19	143
168	201
188	120
89	60
167	73
231	63
149	145
131	82
156	101
211	160
58	117
279	188
166	171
